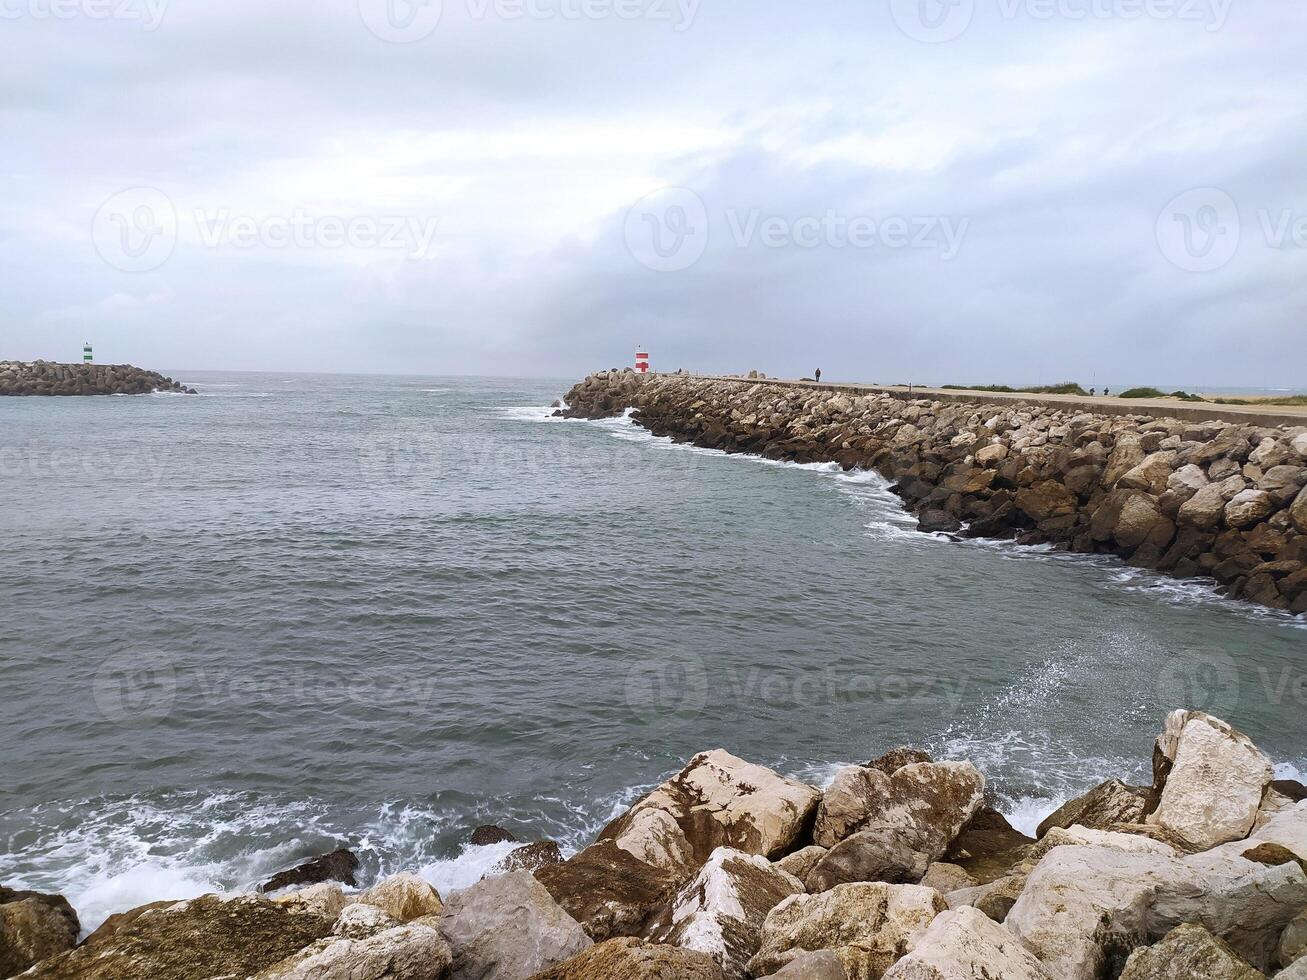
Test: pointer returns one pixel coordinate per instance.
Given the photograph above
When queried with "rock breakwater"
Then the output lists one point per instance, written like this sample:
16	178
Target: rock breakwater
1213	499
900	869
49	378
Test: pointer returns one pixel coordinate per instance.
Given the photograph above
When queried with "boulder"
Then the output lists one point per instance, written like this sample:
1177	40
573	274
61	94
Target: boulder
989	847
801	861
1293	942
1186	481
609	891
1141	521
870	925
1189	952
869	855
404	896
1151	475
717	800
1249	507
1112	802
1046	500
996	452
820	964
945	878
325	898
932	520
634	959
967	945
1216	781
721	910
339	865
206	937
529	857
927	803
895	759
358	921
1085	908
1298	511
33	927
491	834
994	899
507	928
412	952
1296	971
1204	509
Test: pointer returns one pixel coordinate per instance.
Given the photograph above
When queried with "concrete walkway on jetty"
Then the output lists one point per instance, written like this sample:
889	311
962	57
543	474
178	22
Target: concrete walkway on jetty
1155	407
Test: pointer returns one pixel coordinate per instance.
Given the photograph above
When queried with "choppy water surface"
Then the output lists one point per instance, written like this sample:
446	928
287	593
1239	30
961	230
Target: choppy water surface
296	612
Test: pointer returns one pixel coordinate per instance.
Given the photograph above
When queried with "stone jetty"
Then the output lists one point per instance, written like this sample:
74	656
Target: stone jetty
1217	499
900	869
49	378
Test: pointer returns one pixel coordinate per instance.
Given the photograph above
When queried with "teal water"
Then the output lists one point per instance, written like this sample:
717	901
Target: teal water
296	612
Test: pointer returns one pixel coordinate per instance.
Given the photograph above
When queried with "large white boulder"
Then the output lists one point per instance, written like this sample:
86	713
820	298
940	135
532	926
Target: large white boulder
1188	952
967	945
508	927
721	910
1216	781
404	896
412	952
717	800
870	926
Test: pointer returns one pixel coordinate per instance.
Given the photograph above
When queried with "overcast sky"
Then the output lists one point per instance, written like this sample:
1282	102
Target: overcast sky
1112	191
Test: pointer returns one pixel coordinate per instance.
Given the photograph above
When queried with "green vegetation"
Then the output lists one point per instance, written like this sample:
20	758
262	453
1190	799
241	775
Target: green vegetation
1282	400
1066	388
1183	396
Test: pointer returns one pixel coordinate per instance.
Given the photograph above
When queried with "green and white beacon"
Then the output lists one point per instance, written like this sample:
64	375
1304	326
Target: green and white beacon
87	356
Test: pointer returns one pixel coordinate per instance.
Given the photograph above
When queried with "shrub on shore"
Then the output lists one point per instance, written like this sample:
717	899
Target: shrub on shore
1065	388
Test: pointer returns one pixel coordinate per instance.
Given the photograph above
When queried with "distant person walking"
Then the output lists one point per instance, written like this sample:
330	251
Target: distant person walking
1106	392
817	374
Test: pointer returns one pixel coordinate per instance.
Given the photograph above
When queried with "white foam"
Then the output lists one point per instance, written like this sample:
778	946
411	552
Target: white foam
1026	813
467	868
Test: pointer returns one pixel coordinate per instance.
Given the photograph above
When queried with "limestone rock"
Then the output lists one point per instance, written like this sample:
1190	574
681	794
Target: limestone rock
1187	481
507	928
634	959
1293	942
870	925
325	898
945	878
1108	803
358	921
988	848
802	861
1215	784
967	945
339	865
411	952
405	896
1188	952
1204	509
33	927
869	855
928	803
200	939
609	891
721	910
1151	475
1298	511
1249	507
819	964
717	800
529	857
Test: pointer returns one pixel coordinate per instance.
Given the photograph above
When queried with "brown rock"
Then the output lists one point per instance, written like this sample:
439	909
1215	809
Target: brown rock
1112	802
634	959
609	891
339	866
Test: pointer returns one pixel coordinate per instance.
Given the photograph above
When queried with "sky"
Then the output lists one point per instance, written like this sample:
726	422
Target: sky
927	191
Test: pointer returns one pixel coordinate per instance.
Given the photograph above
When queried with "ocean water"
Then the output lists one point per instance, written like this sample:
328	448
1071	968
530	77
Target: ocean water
299	612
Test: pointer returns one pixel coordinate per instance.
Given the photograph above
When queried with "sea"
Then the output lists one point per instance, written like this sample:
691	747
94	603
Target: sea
300	612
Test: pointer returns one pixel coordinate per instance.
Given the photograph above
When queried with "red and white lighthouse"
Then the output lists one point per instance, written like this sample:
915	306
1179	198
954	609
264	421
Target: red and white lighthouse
641	361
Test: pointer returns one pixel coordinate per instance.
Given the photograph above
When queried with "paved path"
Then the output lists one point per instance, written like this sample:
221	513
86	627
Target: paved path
1156	407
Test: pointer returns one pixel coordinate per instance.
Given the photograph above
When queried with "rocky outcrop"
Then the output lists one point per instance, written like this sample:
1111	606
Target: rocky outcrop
967	945
1215	782
403	896
1189	953
1181	497
205	937
33	927
339	865
412	952
722	909
508	928
868	925
609	891
635	959
529	857
47	378
1109	803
